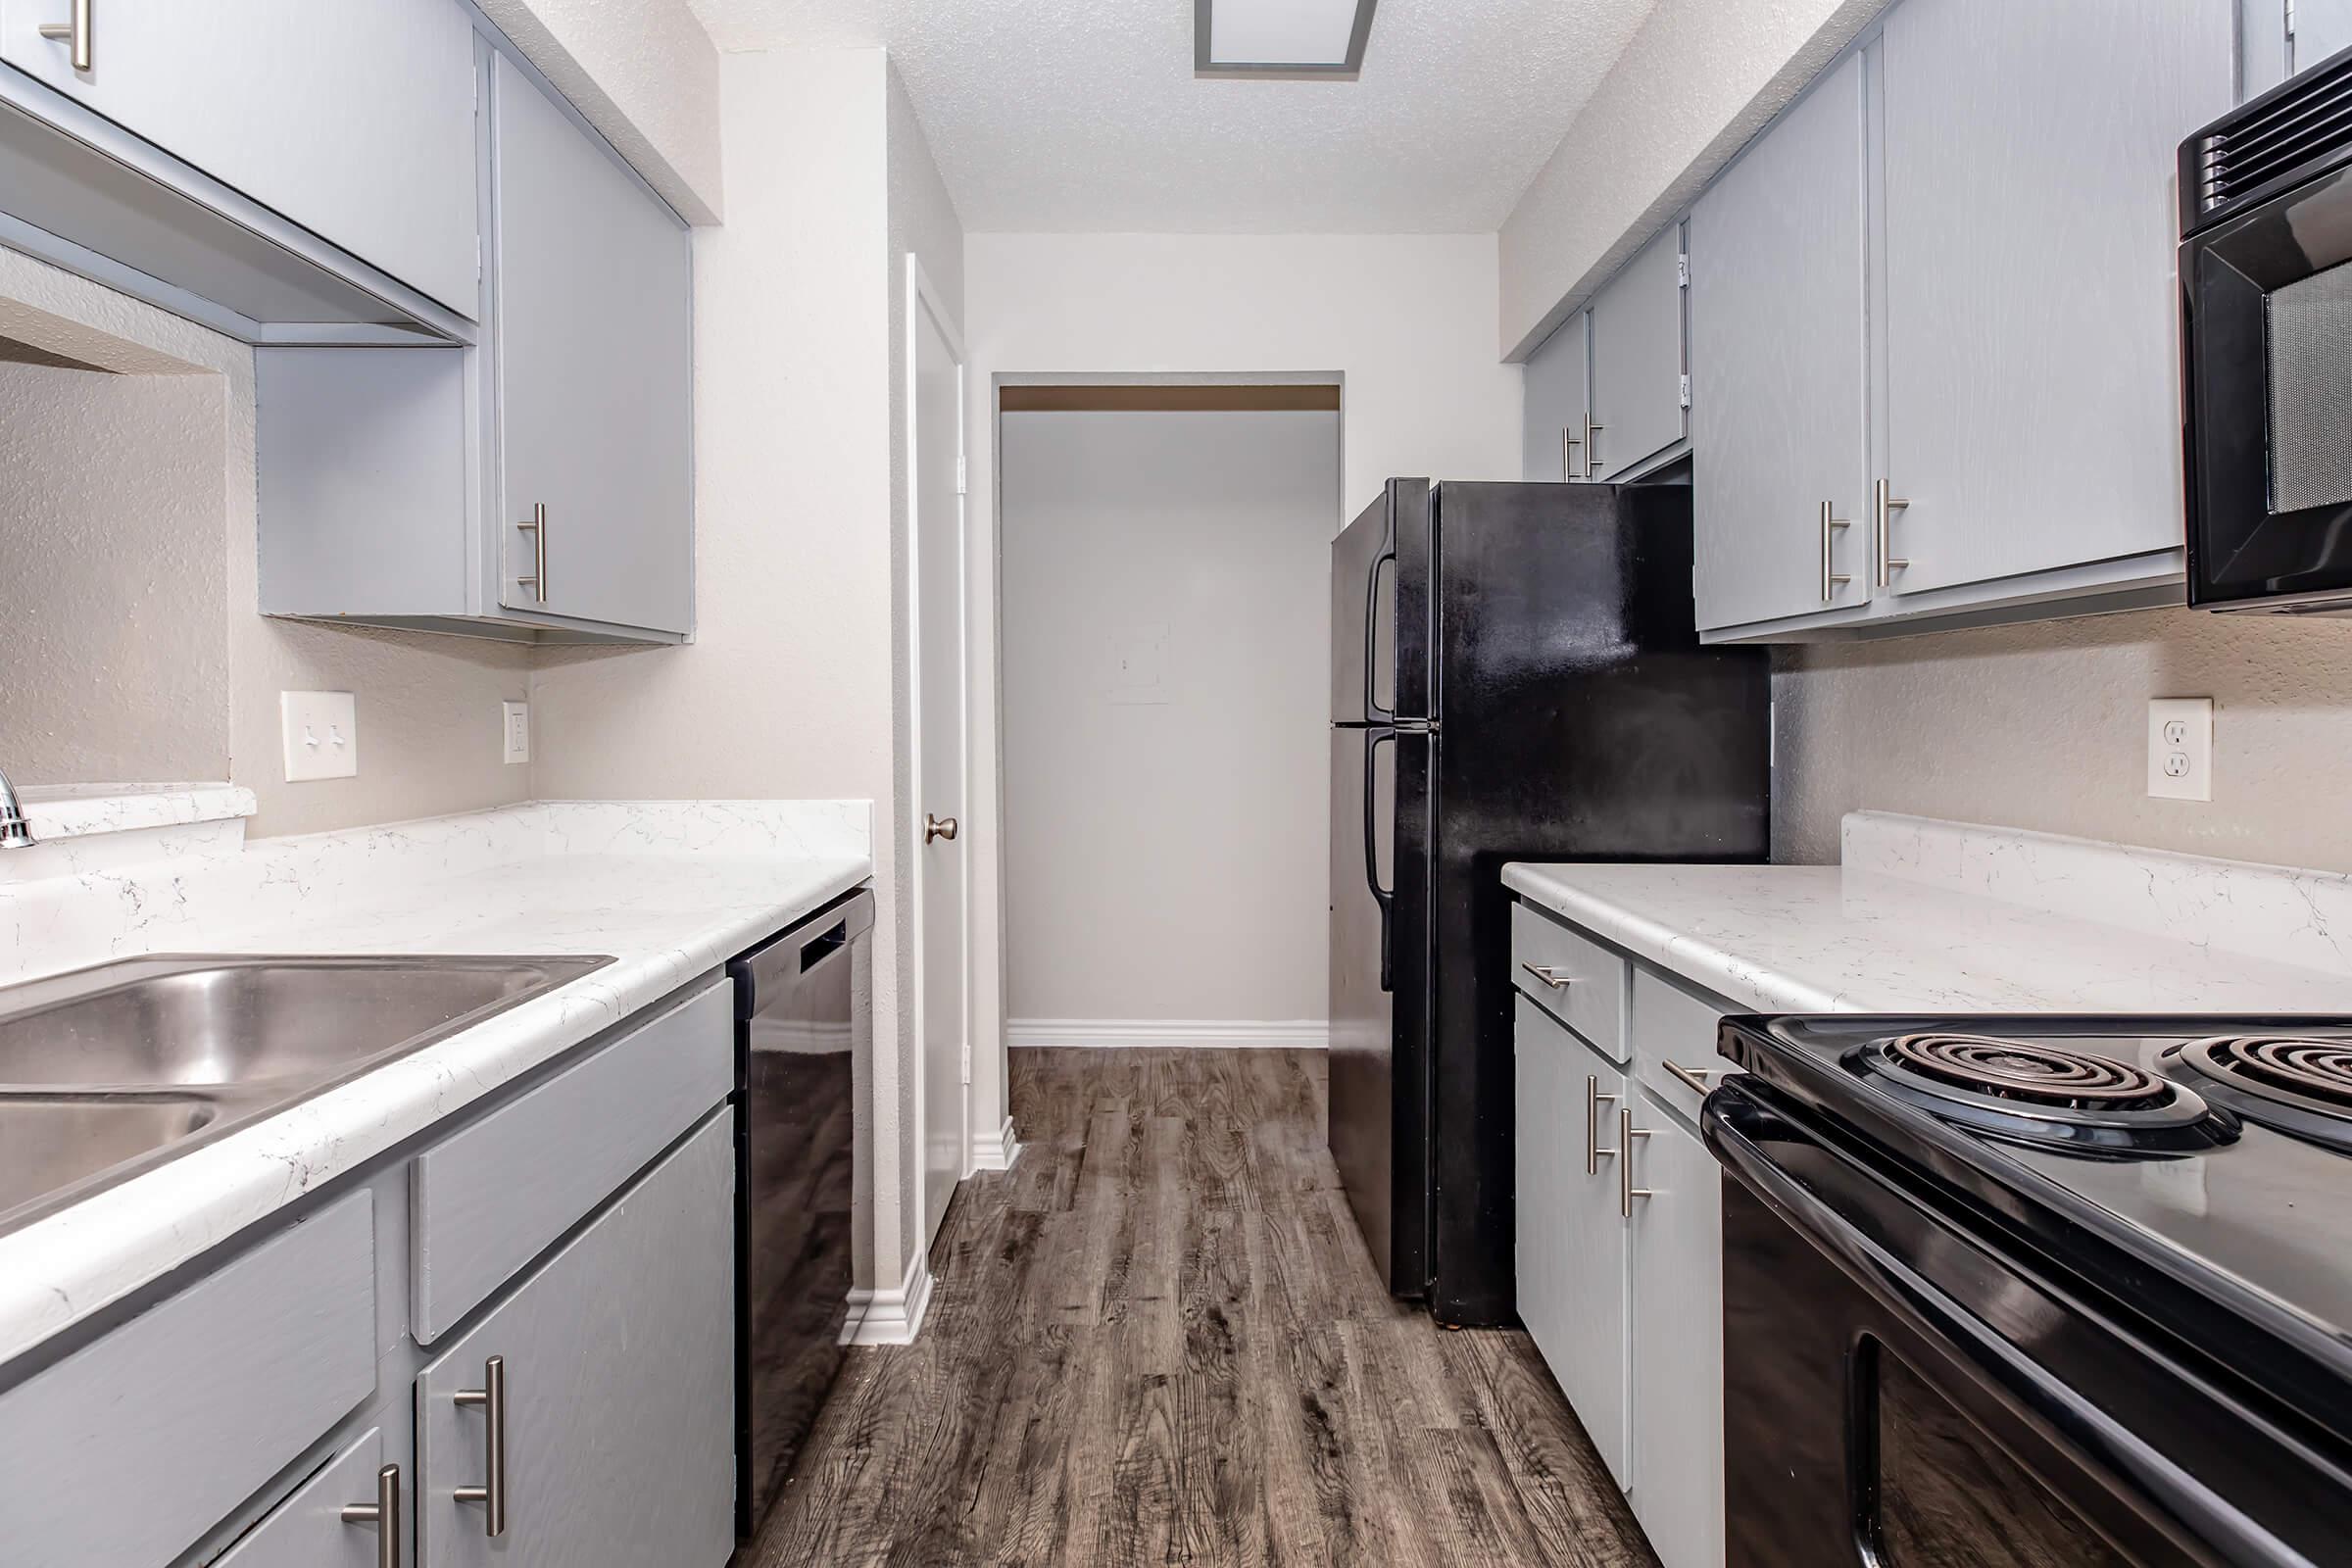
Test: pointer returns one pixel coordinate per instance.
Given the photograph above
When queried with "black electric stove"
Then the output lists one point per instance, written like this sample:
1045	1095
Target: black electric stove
2014	1292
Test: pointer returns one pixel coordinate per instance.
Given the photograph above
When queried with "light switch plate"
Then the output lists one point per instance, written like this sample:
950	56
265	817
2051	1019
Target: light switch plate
321	731
2181	747
516	721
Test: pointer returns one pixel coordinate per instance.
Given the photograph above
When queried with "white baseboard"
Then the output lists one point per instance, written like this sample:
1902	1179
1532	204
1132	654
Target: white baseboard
891	1316
1165	1034
996	1150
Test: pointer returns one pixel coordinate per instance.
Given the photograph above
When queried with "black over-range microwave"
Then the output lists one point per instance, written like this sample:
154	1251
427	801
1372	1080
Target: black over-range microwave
2265	277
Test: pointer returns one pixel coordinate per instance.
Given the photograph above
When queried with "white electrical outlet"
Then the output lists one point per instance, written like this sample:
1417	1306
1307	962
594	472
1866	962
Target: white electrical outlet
2181	747
322	733
517	721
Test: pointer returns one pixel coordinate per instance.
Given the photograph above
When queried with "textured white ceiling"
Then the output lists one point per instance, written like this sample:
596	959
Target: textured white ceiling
1084	113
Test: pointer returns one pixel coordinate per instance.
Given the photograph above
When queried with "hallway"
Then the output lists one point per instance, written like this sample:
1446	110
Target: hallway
1158	1340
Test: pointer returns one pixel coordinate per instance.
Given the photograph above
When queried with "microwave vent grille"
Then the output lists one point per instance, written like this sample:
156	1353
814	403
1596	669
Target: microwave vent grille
2311	122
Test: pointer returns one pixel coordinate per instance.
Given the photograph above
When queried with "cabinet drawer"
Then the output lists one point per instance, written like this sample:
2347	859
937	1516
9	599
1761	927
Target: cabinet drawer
308	1530
491	1197
615	1390
1587	982
1671	1029
130	1448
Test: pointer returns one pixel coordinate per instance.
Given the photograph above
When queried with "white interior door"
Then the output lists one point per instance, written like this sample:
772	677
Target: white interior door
935	509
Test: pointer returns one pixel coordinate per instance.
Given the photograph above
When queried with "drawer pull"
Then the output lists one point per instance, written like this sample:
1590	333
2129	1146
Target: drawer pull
491	1494
1695	1077
1549	975
1593	1153
384	1514
1627	1191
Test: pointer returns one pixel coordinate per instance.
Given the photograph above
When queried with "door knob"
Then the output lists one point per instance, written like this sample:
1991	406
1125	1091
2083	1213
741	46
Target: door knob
937	827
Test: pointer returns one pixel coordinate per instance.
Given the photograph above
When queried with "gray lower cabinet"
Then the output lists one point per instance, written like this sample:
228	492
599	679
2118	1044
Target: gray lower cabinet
354	121
1779	415
1639	395
1558	401
1677	1341
606	1375
2032	385
1571	1235
536	487
1619	1215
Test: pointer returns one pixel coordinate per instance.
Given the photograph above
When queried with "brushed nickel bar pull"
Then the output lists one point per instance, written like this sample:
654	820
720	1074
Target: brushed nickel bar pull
1569	442
1884	502
491	1494
1592	448
537	530
1831	581
1627	1191
384	1514
1695	1077
1549	975
1593	1153
77	33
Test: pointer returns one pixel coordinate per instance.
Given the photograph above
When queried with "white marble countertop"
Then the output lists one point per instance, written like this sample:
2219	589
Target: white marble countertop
1930	916
668	890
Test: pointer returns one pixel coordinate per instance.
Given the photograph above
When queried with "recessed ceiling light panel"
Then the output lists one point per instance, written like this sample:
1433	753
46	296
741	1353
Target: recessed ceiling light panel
1280	37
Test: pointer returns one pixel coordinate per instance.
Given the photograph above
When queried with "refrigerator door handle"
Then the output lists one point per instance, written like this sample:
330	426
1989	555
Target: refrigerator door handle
1386	559
1384	896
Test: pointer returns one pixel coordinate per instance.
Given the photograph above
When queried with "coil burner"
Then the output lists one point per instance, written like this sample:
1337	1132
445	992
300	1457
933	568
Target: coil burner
2035	1092
2298	1084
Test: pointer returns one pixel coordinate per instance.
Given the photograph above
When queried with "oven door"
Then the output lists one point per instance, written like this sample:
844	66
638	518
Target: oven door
2269	365
1887	1399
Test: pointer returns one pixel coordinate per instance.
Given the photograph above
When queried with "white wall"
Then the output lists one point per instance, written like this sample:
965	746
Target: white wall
135	653
1166	846
1404	322
1698	80
794	686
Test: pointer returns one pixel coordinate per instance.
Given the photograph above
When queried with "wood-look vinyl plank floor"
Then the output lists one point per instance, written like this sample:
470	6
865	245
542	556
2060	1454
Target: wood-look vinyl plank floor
1158	1340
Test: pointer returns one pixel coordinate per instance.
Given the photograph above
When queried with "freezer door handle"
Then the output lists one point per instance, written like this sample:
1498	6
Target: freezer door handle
1385	561
1384	896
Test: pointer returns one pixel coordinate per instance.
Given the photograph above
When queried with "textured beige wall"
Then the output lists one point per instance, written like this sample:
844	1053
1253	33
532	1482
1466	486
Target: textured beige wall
113	600
2045	727
143	659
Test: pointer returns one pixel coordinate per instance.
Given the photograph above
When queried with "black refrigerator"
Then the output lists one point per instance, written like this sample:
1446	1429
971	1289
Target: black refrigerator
1516	675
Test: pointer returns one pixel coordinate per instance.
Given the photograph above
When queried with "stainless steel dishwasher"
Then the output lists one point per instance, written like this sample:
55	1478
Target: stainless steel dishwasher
803	1032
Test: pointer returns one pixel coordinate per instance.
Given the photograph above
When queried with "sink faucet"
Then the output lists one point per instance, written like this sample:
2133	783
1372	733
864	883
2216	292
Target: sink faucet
14	832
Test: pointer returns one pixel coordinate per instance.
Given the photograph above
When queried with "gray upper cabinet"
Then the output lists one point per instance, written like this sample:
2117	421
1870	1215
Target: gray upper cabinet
352	120
594	371
1780	417
2276	39
1559	382
1638	395
2031	331
537	487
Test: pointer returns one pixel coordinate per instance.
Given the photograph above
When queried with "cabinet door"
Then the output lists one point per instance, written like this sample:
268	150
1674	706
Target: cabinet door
1678	1343
1559	380
1778	377
593	316
1571	1239
309	1530
355	119
1638	359
2033	323
619	1378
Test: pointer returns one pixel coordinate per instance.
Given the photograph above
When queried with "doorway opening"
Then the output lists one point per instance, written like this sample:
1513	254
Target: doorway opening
1164	657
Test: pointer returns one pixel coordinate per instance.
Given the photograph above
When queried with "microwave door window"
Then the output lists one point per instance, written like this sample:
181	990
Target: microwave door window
2308	329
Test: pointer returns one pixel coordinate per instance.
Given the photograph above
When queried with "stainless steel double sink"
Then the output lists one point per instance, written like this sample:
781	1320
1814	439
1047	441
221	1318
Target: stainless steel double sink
107	1071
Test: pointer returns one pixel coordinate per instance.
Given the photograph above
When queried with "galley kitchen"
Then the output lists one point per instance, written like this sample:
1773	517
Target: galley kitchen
790	783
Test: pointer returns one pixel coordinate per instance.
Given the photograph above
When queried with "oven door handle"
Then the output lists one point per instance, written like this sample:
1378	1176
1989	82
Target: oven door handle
2195	1520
